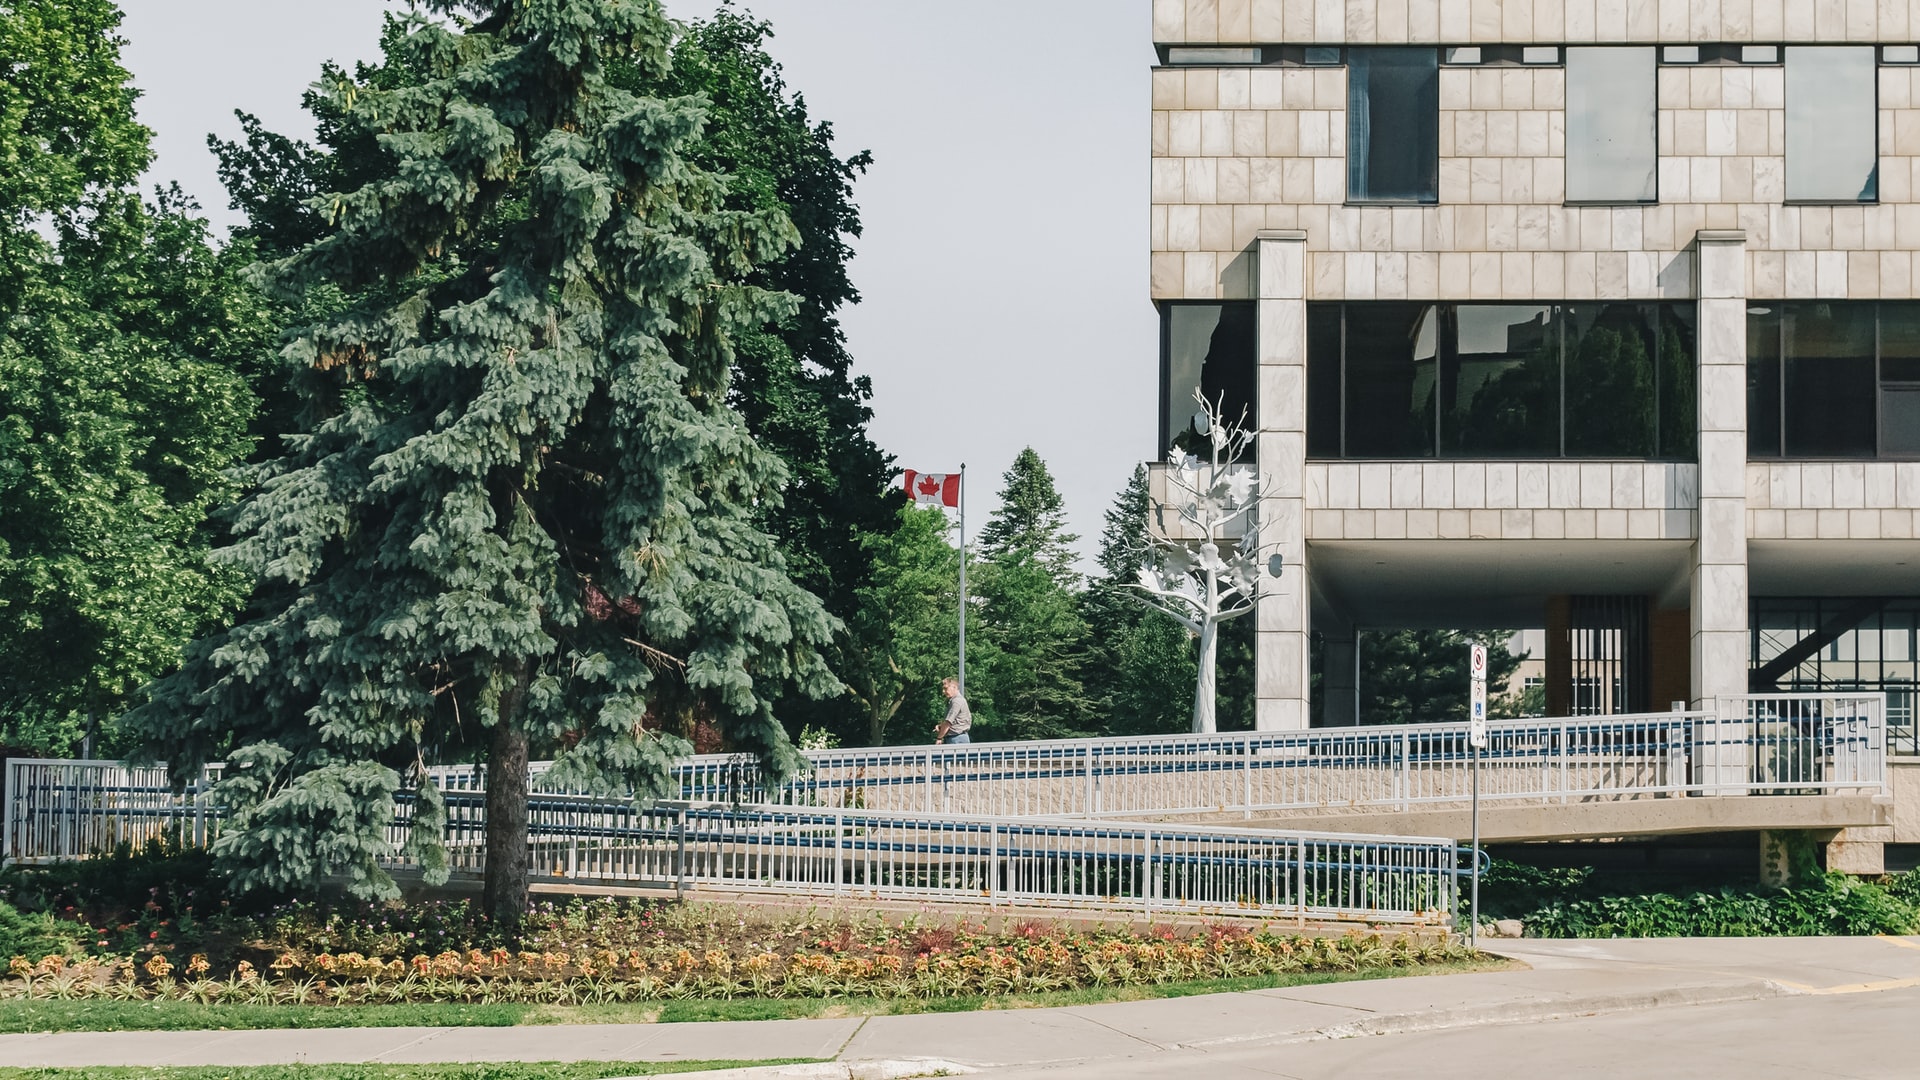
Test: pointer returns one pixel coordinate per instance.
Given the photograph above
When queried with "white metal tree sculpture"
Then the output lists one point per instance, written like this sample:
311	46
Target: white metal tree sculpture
1203	562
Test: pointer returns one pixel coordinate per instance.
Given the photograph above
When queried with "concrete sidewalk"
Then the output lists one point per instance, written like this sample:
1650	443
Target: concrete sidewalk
1564	978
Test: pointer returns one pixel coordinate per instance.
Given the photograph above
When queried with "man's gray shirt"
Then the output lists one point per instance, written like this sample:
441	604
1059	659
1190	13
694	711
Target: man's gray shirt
959	717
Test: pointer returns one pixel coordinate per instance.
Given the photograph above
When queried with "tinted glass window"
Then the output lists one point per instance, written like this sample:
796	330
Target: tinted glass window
1209	348
1612	154
1900	378
1829	379
1832	117
1323	380
1502	388
1391	359
1763	380
1393	125
1613	393
1406	380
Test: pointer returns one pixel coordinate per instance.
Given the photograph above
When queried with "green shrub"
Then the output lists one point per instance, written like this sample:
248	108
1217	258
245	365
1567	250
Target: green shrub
1573	904
37	934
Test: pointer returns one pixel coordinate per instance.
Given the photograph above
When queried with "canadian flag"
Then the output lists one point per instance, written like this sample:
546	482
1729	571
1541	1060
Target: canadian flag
933	488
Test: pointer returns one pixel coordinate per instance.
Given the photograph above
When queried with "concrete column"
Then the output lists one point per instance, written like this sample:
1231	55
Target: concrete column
1283	608
1339	678
1720	628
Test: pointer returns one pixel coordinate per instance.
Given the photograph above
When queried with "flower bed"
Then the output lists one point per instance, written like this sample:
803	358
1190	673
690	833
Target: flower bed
603	951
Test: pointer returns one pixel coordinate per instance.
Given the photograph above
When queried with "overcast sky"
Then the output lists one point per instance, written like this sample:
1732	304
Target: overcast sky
1004	265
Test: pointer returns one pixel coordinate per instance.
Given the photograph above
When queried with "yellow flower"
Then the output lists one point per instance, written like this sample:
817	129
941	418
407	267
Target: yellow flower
19	966
159	968
246	972
198	965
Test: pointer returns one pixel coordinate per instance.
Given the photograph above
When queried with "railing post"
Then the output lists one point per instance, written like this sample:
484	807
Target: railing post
927	800
1152	883
839	856
1246	781
993	860
1565	735
680	854
1403	773
1300	882
1086	806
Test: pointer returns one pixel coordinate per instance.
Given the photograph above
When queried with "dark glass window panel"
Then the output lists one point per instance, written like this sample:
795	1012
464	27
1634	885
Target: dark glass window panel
1679	381
1323	380
1612	398
1833	150
1829	384
1763	380
1501	382
1900	378
1392	352
1210	348
1612	152
1393	125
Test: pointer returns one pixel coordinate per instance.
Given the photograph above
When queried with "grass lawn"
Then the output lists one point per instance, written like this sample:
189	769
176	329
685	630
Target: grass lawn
548	1070
38	1016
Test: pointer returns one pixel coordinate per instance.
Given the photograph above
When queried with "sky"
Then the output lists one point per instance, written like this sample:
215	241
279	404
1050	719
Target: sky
1003	266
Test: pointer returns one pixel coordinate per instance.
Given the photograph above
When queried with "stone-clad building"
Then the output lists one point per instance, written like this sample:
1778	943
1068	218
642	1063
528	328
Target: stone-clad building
1594	315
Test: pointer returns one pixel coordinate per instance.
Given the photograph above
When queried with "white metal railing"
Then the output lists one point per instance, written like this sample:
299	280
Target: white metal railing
1793	744
68	809
1572	759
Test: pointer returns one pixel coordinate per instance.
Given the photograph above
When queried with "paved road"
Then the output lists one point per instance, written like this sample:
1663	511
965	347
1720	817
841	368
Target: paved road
1866	1035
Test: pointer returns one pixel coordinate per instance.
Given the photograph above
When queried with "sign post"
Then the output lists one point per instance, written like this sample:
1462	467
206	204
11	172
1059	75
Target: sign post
1477	741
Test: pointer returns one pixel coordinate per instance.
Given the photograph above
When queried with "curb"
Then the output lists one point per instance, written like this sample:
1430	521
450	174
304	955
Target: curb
1535	1012
840	1070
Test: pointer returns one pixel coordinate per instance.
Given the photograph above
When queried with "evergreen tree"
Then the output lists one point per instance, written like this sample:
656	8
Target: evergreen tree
521	512
119	409
1141	666
792	379
1420	676
1026	680
907	626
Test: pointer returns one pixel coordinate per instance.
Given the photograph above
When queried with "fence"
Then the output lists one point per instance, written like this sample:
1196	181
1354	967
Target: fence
64	809
1838	745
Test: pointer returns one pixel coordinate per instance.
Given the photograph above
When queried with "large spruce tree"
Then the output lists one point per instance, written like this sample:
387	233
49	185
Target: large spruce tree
521	511
792	379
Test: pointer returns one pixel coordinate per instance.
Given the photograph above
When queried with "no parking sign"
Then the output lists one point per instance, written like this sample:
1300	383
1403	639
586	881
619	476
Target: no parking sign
1477	709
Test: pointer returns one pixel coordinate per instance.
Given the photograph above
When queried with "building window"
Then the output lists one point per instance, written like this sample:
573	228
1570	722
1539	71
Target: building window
1612	150
1833	379
1392	379
1393	125
1810	645
1209	348
1833	150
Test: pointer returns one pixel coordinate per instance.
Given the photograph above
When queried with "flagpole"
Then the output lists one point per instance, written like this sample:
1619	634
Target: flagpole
961	678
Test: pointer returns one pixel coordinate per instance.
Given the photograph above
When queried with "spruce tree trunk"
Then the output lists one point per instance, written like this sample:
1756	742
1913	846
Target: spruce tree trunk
509	863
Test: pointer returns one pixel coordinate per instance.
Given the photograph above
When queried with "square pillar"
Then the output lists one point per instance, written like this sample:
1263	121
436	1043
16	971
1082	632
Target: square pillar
1340	678
1282	610
1720	628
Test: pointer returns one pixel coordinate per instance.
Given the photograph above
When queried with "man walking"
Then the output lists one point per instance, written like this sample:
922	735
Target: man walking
953	730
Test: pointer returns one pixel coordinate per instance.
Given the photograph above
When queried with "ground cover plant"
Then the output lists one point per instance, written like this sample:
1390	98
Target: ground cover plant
606	951
1578	903
545	1070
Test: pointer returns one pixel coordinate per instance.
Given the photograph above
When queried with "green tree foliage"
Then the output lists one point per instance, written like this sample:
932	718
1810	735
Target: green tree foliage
1026	679
906	619
1140	667
521	512
1420	676
792	377
119	409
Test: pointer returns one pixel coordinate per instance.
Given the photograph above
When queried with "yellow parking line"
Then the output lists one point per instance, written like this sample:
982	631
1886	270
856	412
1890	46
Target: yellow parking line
1897	941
